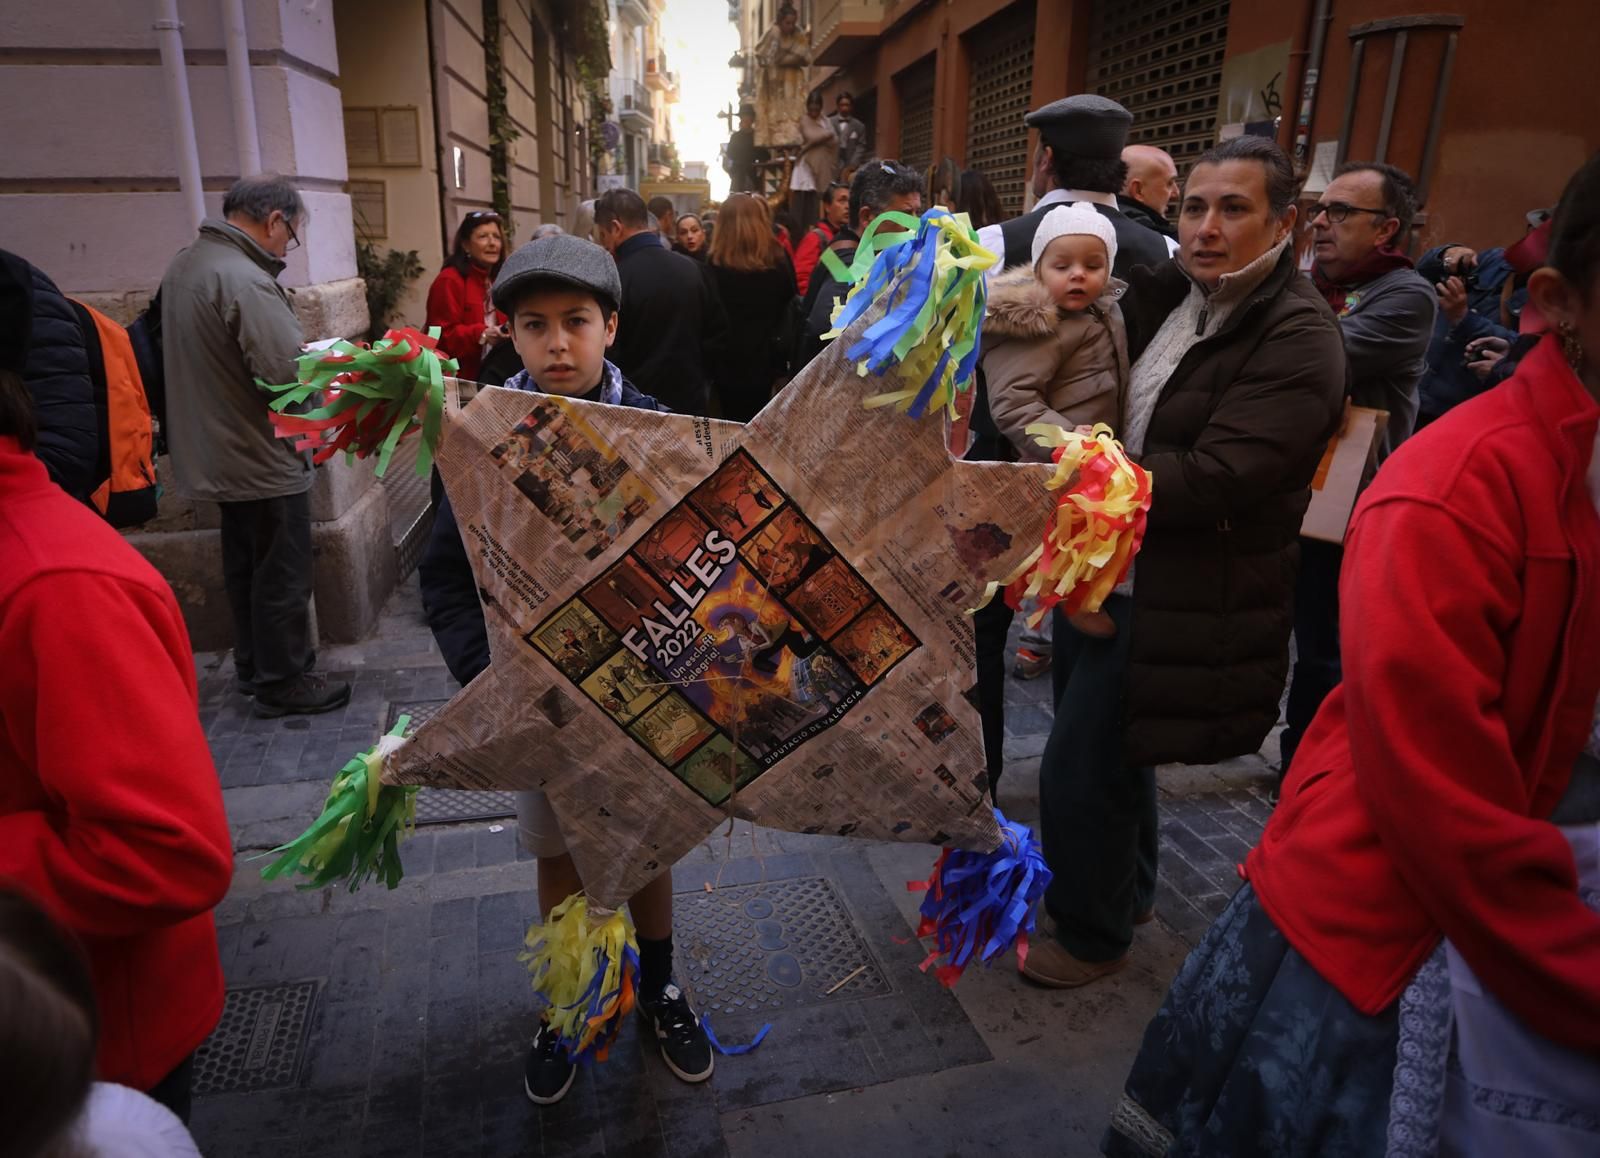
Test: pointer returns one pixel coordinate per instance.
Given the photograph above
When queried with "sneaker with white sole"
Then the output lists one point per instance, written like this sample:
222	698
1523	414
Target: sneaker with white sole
684	1045
549	1072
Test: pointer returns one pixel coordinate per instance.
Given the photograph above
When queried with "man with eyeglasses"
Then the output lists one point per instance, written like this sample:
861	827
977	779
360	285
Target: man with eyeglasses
1360	227
226	322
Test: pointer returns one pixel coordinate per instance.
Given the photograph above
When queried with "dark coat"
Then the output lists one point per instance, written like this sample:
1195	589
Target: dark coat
755	302
450	600
670	326
1141	214
1232	446
1136	244
55	368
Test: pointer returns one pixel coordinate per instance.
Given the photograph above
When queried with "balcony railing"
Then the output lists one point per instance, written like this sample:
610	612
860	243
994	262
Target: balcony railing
656	73
632	99
842	28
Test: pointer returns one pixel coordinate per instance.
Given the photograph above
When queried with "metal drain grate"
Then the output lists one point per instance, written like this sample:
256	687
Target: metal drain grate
257	1044
452	806
449	805
420	711
777	945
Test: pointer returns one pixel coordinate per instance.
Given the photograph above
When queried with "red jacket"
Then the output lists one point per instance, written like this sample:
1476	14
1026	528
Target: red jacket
809	252
455	305
1470	602
110	810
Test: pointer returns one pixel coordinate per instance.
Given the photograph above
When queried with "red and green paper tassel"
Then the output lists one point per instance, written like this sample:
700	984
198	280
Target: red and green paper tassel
372	397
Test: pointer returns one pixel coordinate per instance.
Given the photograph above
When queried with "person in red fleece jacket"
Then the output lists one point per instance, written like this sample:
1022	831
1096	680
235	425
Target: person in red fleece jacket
1413	966
458	299
111	813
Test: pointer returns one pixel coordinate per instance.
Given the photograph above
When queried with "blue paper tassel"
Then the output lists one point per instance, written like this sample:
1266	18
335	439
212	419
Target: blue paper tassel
980	904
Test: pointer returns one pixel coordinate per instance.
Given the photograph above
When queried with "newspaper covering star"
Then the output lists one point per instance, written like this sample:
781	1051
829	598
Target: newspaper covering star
691	619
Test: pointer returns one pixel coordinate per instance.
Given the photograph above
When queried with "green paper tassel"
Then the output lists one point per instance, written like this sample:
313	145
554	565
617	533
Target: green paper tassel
358	835
373	396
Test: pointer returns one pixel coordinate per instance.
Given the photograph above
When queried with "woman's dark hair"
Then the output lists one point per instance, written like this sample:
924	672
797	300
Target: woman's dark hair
458	259
48	1026
16	410
1575	232
979	201
1282	187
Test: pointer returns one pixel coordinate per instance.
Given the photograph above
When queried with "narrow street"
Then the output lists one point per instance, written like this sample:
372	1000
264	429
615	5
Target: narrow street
395	1023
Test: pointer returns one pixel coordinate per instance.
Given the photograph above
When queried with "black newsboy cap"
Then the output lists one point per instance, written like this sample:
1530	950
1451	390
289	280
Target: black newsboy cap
1084	125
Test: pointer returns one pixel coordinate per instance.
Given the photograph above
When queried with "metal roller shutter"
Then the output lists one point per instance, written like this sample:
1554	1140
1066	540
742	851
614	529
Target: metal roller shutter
1162	60
915	86
1001	51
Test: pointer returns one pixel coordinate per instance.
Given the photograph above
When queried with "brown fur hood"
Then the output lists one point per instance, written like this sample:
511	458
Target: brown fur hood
1020	307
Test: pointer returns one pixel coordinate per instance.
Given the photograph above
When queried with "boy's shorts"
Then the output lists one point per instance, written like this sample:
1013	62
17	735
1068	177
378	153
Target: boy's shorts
537	827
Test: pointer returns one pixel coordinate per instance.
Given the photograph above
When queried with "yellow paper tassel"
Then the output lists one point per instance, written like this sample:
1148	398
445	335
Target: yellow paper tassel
585	966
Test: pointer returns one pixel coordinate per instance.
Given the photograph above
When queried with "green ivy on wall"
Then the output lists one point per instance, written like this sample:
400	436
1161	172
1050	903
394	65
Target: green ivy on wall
502	132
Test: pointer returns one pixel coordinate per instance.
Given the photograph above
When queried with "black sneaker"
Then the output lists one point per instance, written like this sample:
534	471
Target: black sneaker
684	1046
245	686
305	695
549	1071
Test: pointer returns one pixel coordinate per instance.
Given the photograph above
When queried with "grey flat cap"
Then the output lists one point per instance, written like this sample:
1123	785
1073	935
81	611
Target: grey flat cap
562	258
1084	125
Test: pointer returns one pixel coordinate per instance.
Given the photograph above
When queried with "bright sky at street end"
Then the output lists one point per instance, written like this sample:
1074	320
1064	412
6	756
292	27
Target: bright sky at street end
699	38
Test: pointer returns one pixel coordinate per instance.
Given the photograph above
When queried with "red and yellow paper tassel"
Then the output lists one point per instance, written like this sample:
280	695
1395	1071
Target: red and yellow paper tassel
1102	502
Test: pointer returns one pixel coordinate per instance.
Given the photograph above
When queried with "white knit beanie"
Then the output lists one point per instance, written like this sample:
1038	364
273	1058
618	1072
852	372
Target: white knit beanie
1079	217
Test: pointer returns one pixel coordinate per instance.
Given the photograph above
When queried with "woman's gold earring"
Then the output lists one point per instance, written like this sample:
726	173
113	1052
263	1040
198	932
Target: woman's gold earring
1571	348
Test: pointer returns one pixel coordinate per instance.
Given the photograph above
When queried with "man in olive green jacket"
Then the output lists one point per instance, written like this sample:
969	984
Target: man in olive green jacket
226	322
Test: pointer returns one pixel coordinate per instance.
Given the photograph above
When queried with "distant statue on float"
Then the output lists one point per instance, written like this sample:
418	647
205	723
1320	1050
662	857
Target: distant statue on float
784	56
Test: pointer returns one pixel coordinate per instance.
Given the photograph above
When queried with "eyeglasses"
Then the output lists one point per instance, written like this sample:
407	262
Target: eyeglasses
294	238
1338	212
483	215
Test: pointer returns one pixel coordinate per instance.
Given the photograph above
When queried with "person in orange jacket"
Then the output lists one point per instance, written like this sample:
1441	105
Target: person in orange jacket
111	813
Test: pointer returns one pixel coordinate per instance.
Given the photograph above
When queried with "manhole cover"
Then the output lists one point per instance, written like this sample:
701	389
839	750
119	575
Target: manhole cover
449	805
776	945
257	1044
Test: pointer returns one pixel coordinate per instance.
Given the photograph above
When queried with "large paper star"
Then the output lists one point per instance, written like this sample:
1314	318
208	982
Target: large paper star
691	619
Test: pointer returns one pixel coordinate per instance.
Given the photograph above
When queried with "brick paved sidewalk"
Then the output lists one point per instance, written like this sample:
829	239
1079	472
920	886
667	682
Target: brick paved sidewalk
395	1022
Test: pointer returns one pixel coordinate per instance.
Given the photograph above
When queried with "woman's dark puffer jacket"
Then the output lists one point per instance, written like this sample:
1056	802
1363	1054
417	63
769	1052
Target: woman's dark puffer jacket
1232	447
55	369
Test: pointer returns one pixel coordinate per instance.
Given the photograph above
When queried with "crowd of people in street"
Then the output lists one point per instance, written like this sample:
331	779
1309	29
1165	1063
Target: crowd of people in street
1412	964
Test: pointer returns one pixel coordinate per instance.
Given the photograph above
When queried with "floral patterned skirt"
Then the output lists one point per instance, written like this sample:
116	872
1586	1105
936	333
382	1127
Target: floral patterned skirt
1252	1052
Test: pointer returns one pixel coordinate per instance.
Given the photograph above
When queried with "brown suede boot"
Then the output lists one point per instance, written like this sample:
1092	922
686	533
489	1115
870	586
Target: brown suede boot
1049	964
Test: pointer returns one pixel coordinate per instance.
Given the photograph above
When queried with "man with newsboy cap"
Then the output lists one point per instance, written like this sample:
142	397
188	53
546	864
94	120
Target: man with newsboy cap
1079	158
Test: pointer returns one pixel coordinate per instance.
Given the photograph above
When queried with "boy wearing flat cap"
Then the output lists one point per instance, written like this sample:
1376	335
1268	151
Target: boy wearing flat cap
562	294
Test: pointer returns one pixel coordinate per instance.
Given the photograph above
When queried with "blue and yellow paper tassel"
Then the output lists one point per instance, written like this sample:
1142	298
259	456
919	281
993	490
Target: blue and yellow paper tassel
585	969
928	273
